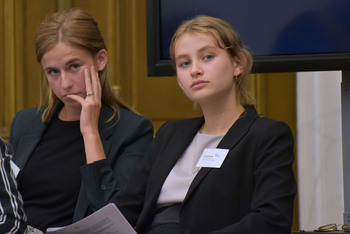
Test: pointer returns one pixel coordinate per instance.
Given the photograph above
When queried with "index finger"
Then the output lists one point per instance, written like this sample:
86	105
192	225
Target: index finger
88	83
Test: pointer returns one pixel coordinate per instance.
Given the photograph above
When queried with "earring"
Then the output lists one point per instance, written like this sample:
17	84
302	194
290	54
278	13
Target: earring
236	77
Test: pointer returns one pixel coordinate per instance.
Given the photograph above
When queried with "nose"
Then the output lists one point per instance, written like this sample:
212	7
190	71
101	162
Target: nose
66	81
196	69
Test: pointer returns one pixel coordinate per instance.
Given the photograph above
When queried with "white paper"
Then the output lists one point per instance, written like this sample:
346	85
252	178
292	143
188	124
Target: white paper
107	220
212	158
15	168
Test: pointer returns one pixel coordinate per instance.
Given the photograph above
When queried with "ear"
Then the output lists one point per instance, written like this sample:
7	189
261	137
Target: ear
238	66
101	59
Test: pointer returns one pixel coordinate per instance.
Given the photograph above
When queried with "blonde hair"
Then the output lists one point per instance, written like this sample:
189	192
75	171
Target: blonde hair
227	38
77	28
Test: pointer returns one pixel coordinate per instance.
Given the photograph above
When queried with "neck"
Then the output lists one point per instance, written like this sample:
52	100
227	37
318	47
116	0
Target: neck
69	114
219	119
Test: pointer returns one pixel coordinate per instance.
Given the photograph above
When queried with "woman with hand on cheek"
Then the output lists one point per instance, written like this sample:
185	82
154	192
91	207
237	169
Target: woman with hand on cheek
78	149
229	171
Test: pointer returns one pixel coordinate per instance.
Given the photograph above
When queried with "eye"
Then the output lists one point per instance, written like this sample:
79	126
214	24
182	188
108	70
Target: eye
75	66
53	72
183	63
208	57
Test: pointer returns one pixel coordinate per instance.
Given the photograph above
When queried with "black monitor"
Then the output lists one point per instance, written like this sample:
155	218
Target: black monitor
283	36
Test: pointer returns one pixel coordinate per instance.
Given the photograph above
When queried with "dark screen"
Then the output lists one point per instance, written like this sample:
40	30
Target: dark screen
276	32
270	27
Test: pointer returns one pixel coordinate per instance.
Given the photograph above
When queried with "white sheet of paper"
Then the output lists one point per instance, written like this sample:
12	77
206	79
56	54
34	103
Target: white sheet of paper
212	158
15	168
107	220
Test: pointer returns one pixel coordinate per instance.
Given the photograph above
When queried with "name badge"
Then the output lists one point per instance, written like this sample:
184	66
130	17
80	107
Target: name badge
212	158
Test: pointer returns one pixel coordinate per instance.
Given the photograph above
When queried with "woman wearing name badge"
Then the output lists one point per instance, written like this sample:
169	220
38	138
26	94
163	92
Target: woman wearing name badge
79	149
229	171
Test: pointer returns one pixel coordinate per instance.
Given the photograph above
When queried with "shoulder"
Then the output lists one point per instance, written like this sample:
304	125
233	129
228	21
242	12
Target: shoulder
263	125
29	114
125	114
125	122
270	126
28	117
131	119
181	125
26	120
121	115
267	133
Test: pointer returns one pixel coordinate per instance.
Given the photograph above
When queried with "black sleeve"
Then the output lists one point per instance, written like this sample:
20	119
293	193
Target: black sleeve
12	216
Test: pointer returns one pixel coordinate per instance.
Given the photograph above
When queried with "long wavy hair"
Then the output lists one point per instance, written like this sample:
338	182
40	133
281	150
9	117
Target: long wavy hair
77	28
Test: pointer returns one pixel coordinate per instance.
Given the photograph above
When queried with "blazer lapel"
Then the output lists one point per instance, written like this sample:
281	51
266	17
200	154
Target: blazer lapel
183	138
178	144
27	145
229	141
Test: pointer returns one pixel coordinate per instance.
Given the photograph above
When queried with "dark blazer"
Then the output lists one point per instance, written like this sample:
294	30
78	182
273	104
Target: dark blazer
124	144
252	192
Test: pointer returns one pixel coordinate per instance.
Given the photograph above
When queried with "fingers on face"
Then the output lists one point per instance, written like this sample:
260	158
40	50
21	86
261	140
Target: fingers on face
95	81
92	82
88	83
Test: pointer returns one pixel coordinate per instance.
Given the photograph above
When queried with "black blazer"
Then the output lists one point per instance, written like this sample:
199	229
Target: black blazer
125	144
252	192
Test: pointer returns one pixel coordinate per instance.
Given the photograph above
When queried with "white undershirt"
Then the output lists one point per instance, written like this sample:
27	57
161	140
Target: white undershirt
180	178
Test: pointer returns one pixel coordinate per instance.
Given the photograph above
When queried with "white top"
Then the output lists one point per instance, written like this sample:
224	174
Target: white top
180	178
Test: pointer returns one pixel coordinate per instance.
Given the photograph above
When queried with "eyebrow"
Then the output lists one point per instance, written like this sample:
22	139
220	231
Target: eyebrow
72	61
67	63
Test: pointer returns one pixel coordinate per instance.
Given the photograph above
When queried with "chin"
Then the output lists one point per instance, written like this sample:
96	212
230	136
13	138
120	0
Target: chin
72	104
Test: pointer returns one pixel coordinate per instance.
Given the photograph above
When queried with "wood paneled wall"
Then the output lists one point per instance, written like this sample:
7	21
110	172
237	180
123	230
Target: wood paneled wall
123	24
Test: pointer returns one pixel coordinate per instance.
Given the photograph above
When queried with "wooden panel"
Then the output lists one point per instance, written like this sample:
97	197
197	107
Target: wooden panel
2	60
8	63
281	97
35	12
2	72
11	65
97	9
127	42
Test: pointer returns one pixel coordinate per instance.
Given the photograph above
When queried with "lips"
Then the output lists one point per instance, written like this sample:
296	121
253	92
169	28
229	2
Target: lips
65	95
198	83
